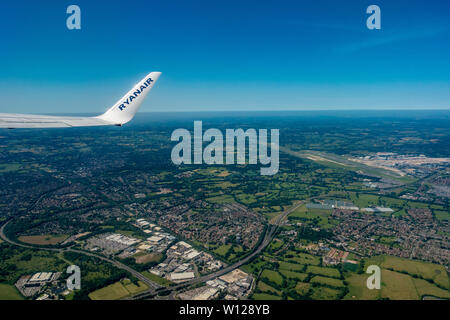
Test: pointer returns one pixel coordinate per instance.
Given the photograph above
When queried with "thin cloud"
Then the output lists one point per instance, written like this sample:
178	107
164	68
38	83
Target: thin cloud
384	40
320	25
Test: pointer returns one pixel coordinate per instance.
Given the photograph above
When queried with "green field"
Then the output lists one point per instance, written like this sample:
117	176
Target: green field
425	288
265	296
302	258
390	241
143	257
328	272
118	290
426	270
324	293
302	288
245	198
290	266
222	250
397	286
43	239
114	291
134	288
442	215
358	288
158	280
294	275
328	281
254	266
8	292
394	285
27	261
221	199
264	287
311	215
292	270
275	245
272	276
364	200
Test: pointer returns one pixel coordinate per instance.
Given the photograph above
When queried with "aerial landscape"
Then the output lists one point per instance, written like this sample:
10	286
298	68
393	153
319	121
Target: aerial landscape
217	159
348	194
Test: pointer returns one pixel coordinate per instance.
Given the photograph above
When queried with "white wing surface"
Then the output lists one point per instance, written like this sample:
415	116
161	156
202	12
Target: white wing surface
120	113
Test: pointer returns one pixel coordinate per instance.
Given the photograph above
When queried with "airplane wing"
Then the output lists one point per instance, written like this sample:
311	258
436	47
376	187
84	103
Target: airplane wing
15	121
120	113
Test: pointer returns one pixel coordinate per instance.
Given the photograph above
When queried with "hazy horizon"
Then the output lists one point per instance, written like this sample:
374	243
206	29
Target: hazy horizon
270	56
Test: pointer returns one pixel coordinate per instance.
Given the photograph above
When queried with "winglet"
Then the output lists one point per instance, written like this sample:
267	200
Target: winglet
125	109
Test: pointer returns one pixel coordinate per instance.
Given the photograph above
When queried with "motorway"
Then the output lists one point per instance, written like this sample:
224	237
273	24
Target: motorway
117	264
268	237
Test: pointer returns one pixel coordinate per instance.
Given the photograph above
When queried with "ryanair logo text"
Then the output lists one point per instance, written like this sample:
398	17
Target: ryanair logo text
136	93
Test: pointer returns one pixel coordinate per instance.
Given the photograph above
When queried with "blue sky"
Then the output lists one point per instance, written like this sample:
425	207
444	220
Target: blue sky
225	55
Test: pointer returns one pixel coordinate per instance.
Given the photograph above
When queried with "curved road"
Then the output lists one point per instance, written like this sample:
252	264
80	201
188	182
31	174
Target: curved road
268	237
117	264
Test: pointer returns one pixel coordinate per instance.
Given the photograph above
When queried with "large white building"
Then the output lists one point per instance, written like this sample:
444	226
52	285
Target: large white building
182	276
40	277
